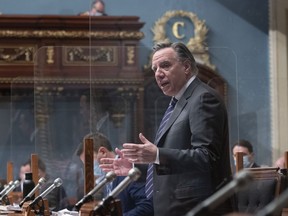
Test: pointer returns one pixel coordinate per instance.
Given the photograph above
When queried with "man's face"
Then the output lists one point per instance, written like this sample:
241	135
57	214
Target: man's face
170	73
243	150
23	170
98	7
27	169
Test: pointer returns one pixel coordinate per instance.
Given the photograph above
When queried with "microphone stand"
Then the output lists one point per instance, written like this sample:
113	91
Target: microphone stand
39	206
109	206
29	196
5	200
110	176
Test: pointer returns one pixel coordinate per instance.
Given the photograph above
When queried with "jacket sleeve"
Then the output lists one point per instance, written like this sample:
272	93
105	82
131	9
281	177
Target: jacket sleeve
142	205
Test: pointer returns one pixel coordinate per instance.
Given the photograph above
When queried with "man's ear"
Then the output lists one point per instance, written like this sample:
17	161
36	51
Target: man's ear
187	67
103	151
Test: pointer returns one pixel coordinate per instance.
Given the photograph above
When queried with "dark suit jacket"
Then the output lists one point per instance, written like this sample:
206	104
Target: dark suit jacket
254	165
133	199
193	152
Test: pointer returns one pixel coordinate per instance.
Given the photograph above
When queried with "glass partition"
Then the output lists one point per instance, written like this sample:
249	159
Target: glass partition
86	95
21	136
103	88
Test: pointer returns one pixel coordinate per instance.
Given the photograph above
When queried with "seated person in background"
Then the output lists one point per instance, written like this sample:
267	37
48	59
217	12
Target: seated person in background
280	162
133	198
97	9
97	171
57	197
74	178
245	147
25	168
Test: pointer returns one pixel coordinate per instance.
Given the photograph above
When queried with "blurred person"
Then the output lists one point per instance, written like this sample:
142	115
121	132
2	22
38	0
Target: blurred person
97	9
246	148
133	198
57	198
74	178
280	162
190	157
97	171
25	168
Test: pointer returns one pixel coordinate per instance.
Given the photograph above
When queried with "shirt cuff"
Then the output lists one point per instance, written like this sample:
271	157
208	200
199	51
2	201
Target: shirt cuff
157	161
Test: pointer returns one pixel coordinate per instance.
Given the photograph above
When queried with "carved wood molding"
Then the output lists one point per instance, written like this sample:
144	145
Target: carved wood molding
136	35
72	81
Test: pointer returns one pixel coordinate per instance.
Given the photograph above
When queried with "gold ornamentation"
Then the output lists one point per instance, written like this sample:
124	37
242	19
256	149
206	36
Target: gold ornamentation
50	55
130	55
175	29
17	55
69	81
99	55
196	44
72	34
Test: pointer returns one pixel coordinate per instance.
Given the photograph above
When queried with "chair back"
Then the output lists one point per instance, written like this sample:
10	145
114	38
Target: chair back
268	183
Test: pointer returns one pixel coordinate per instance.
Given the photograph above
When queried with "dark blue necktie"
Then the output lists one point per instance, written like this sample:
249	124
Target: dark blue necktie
149	178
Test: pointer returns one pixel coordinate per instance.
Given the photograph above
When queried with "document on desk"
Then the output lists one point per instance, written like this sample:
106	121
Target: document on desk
65	212
9	209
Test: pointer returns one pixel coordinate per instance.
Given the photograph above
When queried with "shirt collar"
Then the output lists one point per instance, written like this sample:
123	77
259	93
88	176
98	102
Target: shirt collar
181	92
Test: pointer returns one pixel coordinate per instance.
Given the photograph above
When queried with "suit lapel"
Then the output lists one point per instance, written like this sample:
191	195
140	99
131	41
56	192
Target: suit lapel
179	107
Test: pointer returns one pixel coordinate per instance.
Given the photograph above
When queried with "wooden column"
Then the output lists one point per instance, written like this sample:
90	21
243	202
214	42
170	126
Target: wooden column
239	161
10	176
35	170
88	166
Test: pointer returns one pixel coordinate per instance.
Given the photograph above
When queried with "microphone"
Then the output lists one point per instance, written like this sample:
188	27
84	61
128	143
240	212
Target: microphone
6	188
133	175
15	184
275	207
110	176
29	196
239	182
57	182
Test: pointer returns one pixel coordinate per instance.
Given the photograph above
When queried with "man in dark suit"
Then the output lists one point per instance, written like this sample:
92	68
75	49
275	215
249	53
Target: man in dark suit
190	154
133	198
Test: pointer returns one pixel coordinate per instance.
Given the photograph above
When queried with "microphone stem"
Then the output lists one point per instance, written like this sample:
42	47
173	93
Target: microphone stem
85	199
104	207
27	198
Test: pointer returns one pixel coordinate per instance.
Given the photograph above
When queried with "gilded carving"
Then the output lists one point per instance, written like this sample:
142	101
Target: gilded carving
98	55
50	55
16	54
72	34
130	55
69	81
196	44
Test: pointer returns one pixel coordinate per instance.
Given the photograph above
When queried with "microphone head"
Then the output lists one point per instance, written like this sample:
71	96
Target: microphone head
58	182
42	181
243	178
16	183
110	176
134	173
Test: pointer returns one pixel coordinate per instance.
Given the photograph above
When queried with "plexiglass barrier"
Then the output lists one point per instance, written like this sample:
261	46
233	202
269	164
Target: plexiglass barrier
77	90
